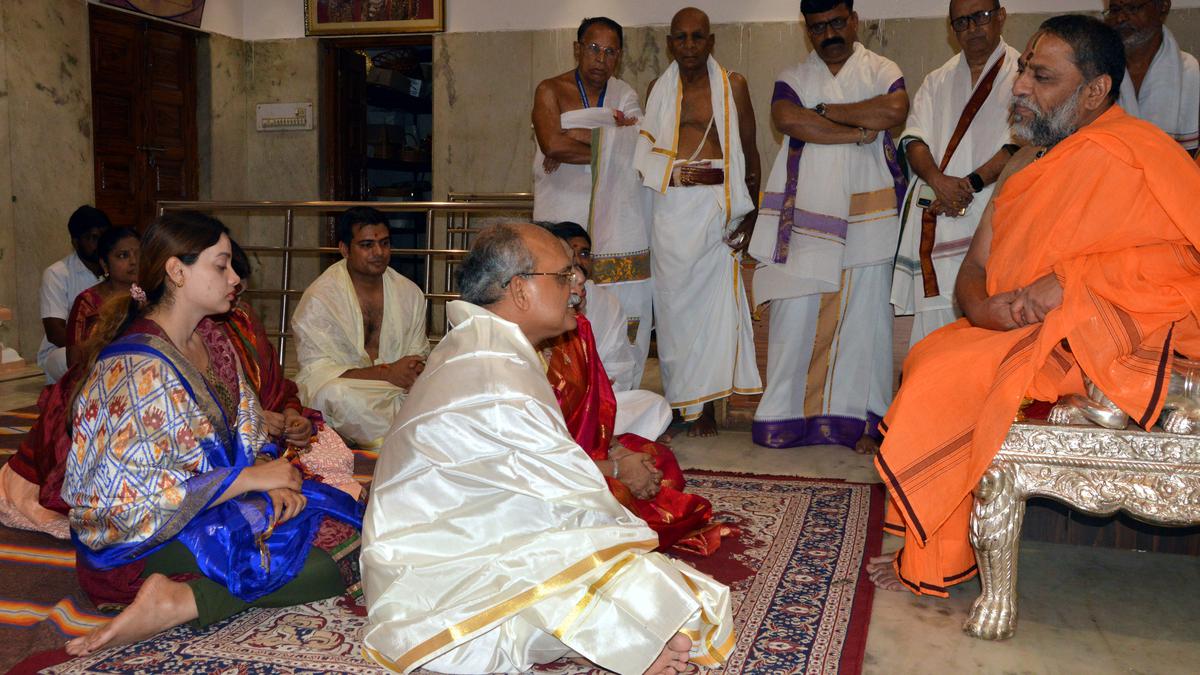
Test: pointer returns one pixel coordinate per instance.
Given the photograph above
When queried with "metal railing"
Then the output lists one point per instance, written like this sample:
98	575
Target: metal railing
450	218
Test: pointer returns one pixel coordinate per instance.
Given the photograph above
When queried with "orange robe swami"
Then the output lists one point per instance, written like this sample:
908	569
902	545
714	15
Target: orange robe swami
1112	212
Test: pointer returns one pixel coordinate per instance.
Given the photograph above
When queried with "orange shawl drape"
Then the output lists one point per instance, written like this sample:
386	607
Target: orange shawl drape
1111	212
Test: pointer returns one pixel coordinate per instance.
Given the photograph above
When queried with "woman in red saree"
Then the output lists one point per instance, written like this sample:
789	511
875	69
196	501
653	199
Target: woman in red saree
31	481
584	393
326	457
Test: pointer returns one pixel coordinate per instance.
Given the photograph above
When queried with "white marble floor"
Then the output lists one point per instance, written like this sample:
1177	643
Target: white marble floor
1082	610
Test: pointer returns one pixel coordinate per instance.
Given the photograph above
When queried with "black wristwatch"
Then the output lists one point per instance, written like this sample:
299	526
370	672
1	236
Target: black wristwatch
821	109
976	181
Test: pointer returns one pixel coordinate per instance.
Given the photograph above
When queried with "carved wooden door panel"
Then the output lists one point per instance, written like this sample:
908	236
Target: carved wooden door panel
144	115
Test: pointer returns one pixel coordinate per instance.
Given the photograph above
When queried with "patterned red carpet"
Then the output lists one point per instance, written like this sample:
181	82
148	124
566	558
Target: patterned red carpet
801	599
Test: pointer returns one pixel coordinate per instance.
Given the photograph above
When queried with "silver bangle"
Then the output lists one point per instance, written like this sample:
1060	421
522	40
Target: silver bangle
616	469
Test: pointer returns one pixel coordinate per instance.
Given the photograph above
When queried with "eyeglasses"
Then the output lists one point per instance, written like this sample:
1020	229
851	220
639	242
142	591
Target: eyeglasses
981	18
836	24
569	277
1114	10
607	53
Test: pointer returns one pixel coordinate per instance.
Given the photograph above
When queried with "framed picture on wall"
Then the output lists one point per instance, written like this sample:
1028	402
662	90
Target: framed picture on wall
187	12
373	17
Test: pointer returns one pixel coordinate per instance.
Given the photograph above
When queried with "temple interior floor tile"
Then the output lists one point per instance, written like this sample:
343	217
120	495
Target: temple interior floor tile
1081	610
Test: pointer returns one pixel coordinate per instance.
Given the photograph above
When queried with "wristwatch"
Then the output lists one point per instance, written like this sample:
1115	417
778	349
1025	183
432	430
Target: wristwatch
976	181
821	109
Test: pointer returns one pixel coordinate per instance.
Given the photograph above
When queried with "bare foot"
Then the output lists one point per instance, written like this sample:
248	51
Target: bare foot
674	656
160	604
882	572
867	445
706	424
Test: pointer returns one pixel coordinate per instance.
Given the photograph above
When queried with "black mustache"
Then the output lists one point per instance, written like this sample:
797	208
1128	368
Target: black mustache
832	41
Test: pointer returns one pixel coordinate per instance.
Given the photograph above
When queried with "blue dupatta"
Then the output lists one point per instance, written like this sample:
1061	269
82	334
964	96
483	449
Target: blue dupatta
233	542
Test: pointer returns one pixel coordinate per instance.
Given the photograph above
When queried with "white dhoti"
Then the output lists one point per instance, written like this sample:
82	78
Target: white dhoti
831	362
641	412
705	338
492	543
360	410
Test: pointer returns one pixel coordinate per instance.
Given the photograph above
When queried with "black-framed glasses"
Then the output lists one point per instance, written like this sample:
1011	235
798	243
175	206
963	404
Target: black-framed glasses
569	277
980	18
1130	9
836	24
607	53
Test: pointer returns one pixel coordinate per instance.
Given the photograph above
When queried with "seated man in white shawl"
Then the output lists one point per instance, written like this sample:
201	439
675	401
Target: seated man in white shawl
957	142
360	333
1162	82
697	153
574	113
491	542
827	235
639	411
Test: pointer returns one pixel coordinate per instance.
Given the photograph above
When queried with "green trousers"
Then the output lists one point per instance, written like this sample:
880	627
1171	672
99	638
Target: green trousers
319	579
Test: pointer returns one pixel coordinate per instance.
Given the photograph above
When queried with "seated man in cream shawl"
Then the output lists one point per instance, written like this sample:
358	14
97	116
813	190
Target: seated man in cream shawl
1162	82
583	170
491	542
360	333
697	154
957	141
827	235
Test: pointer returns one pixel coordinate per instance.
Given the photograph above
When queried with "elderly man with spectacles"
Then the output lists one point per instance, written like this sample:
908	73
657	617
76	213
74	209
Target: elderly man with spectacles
957	141
827	235
573	113
492	542
1162	82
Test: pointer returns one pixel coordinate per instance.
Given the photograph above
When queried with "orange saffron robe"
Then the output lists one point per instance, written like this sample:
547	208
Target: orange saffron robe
1111	211
589	406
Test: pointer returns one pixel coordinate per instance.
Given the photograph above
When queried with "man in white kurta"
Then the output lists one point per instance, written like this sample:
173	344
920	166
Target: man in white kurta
355	365
694	153
64	280
583	171
1162	82
826	235
491	542
955	141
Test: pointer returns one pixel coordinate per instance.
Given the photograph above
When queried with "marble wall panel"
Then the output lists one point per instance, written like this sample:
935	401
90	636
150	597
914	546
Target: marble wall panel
281	165
8	257
49	141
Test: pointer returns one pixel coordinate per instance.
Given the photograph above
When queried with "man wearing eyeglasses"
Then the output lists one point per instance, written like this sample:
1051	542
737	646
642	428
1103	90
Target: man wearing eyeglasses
698	154
827	237
573	113
1162	84
957	142
492	542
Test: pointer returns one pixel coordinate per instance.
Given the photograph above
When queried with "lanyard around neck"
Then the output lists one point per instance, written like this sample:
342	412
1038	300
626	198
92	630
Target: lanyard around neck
583	92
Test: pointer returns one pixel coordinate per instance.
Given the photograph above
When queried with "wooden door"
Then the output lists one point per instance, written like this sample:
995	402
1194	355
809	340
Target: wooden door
144	115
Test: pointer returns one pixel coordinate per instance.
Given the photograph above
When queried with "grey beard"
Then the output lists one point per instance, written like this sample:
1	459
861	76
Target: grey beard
1048	130
1138	39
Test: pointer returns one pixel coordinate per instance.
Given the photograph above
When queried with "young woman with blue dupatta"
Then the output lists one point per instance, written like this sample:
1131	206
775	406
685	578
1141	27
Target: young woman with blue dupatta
179	504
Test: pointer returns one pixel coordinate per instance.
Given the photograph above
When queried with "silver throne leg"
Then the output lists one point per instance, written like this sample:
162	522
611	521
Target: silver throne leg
995	532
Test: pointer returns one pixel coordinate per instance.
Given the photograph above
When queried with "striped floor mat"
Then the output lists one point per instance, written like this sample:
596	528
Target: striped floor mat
14	424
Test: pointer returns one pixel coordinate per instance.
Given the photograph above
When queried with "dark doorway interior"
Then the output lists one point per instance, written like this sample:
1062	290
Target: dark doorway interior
377	131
